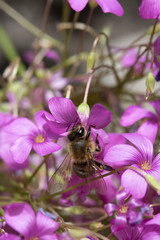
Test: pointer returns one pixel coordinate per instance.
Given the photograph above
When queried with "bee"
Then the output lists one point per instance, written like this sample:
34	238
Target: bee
80	158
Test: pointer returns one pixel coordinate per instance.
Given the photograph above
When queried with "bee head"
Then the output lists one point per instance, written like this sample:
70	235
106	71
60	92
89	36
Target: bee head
76	133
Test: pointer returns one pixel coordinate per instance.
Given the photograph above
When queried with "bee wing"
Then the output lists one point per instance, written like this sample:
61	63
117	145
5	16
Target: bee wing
100	184
61	176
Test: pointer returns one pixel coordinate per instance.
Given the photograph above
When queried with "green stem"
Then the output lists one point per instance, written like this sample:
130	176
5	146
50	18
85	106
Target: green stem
26	24
35	172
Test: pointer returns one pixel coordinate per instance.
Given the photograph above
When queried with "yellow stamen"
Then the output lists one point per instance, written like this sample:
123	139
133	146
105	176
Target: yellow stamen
33	238
39	139
123	209
145	166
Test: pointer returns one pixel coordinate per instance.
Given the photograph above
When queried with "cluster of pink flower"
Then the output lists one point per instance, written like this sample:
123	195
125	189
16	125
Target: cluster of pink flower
131	201
19	135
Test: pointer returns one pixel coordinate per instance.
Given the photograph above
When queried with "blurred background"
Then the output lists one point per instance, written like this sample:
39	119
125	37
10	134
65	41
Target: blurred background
124	29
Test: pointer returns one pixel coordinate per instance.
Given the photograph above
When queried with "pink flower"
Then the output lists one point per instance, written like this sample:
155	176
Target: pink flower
140	155
28	136
106	6
22	218
149	9
150	126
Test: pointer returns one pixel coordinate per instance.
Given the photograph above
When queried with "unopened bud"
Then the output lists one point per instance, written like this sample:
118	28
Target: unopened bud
76	210
11	71
153	182
40	73
96	225
157	29
150	83
78	233
91	61
93	3
83	109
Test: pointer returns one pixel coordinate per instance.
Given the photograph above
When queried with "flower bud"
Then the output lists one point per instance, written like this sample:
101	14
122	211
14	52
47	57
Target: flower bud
150	83
76	210
78	233
40	73
150	30
153	182
11	71
96	225
83	109
91	61
93	3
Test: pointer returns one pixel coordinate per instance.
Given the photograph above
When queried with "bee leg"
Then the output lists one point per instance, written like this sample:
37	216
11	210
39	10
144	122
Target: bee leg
89	132
98	147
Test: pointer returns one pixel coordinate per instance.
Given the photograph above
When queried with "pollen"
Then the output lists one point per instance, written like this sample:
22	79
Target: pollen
39	139
123	209
145	166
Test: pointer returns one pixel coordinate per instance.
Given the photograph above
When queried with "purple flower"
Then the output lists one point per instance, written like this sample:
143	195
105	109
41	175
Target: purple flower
156	46
150	126
6	140
149	9
144	232
65	115
140	155
131	211
129	57
22	218
149	230
31	136
106	6
9	236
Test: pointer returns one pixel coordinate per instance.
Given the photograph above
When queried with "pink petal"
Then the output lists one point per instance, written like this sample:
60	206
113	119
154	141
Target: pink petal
78	5
122	155
156	104
110	208
46	147
154	220
149	129
133	114
149	9
155	167
45	225
63	110
21	217
50	236
129	57
111	6
99	116
7	157
9	236
151	232
156	46
142	143
40	120
21	126
134	183
21	149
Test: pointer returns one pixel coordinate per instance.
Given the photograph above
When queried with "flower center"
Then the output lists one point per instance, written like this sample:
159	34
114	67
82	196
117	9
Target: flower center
39	138
123	209
145	166
33	238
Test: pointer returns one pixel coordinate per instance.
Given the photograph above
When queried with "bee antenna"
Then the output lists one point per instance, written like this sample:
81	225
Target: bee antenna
73	125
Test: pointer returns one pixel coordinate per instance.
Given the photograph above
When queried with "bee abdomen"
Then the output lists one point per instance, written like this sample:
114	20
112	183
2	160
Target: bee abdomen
83	169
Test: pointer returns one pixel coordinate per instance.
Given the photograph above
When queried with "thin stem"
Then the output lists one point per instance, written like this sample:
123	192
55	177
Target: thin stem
139	171
80	46
35	172
88	87
46	15
26	24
